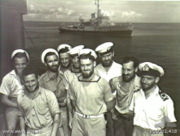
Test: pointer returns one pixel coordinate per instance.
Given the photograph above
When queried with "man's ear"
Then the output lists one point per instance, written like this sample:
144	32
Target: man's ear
157	80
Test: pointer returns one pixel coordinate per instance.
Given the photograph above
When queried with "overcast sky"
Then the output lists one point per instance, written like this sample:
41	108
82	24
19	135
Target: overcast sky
118	10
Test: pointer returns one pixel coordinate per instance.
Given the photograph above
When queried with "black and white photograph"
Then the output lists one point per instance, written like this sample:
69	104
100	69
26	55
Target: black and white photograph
89	68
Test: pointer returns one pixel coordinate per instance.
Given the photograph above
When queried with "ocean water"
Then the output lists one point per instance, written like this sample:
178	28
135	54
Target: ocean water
154	42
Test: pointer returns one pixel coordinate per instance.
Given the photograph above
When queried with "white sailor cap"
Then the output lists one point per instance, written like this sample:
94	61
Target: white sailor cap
88	51
76	50
20	51
47	51
104	47
63	46
148	68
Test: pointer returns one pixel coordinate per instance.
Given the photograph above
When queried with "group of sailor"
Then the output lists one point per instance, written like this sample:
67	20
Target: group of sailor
80	96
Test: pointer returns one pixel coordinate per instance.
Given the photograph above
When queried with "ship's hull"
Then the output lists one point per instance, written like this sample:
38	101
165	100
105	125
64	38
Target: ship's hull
122	32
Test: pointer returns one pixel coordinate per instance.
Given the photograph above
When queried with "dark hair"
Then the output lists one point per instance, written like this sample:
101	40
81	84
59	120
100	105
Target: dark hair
87	56
133	59
48	54
20	55
64	50
30	69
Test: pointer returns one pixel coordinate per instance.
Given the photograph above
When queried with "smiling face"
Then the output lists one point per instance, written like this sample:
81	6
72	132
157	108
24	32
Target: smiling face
52	62
31	82
128	71
87	67
20	63
64	59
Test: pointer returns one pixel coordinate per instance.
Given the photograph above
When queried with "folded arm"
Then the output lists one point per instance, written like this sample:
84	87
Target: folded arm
5	100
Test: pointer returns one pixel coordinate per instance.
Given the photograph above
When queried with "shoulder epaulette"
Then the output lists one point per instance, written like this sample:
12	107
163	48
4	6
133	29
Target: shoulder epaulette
163	96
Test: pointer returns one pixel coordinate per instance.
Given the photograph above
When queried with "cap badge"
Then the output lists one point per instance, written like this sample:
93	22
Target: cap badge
146	67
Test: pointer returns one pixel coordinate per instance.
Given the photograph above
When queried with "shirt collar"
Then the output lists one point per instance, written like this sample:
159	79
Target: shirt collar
134	82
51	75
62	70
112	65
153	93
156	91
13	73
38	93
94	78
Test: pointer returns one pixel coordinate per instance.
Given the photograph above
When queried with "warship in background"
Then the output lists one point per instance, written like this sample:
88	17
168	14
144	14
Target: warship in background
99	23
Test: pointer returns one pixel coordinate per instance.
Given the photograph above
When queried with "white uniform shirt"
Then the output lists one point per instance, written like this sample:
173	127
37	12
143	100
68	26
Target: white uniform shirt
11	85
152	112
114	71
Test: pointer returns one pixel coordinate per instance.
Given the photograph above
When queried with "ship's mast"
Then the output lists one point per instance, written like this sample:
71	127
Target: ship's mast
98	11
97	3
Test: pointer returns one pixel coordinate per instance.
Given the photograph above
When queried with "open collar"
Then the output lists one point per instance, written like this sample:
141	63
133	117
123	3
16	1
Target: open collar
111	67
51	76
155	92
94	78
38	93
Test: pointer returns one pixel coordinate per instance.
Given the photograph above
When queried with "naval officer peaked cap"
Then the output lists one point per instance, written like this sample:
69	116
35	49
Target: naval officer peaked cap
76	50
63	46
47	51
148	68
87	51
20	51
104	47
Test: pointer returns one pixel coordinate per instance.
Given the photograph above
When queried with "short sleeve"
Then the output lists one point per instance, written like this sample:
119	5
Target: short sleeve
169	111
5	86
52	102
108	95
